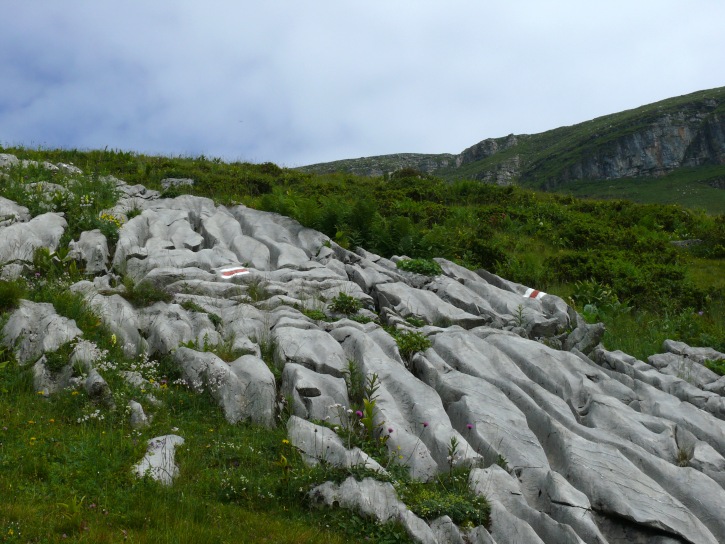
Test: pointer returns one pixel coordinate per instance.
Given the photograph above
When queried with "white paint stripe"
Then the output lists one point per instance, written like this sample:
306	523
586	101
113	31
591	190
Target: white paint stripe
533	293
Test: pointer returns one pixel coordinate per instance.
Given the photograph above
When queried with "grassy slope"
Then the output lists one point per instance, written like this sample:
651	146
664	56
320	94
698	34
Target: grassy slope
66	467
546	155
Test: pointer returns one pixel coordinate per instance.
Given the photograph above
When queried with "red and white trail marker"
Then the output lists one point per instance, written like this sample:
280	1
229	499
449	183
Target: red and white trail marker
228	273
534	293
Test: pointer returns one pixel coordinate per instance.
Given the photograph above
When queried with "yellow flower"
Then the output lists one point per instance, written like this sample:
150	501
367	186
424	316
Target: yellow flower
113	339
74	393
51	421
285	441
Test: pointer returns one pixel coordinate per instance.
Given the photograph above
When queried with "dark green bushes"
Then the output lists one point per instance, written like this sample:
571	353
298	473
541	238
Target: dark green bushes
10	294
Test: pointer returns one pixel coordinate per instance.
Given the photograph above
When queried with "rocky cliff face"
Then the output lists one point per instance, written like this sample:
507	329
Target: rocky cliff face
669	142
647	142
595	446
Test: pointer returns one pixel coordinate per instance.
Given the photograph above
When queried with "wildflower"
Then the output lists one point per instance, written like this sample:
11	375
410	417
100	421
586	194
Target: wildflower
285	441
469	426
74	393
359	413
51	421
113	339
31	422
390	430
425	424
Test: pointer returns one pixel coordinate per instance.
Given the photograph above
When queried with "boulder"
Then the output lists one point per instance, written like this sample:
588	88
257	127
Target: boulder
159	461
35	328
244	389
321	444
92	249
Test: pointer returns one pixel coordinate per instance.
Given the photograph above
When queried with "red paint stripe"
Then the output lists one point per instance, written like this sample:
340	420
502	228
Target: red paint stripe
534	293
228	273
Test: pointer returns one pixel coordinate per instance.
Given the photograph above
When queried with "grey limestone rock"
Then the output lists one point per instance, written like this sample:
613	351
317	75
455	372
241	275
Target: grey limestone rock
19	241
159	462
321	444
92	249
8	161
445	531
137	416
35	328
11	212
407	301
316	396
311	348
167	183
244	388
373	499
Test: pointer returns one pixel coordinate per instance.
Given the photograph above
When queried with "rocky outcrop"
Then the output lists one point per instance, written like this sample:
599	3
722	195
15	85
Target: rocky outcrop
650	141
668	142
159	462
570	442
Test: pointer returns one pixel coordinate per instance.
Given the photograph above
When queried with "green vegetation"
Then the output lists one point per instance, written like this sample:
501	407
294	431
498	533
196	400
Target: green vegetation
612	259
410	343
143	294
546	241
426	267
345	304
551	160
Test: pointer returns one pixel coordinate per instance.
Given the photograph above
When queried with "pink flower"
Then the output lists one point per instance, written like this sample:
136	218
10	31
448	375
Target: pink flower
469	426
359	413
390	430
425	424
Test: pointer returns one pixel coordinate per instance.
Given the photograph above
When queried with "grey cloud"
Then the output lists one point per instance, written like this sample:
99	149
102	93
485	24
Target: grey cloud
295	84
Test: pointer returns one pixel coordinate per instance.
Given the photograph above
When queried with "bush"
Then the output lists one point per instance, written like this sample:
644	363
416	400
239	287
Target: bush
410	343
144	294
345	304
426	267
11	292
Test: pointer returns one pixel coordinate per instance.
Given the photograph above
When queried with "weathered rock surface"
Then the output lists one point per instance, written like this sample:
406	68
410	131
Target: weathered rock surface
597	446
244	388
35	328
374	499
159	462
92	249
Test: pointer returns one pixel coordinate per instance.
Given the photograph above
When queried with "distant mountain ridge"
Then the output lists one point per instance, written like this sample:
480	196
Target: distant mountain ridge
645	142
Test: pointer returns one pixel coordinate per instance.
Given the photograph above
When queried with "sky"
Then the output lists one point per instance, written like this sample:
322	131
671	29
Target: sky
300	82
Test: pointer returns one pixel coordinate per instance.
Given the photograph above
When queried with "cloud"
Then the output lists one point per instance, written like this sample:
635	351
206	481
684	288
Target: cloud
288	82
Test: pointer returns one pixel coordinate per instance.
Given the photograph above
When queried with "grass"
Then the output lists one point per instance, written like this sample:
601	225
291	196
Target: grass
50	463
686	186
544	159
66	470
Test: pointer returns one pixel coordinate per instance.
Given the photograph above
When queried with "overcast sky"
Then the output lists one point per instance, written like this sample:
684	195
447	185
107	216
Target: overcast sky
299	82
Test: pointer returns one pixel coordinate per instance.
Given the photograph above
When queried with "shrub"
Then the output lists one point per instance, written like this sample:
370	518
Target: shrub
410	343
56	360
426	267
10	294
144	294
345	304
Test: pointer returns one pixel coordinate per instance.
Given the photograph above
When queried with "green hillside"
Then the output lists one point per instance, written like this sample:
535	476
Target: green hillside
545	161
63	467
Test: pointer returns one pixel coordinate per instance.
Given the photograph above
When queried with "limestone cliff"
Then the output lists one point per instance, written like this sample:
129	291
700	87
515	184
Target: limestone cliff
650	141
